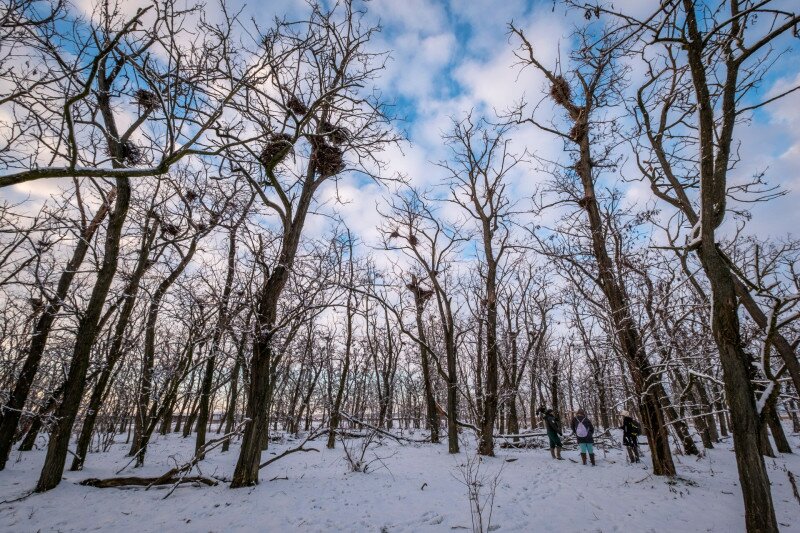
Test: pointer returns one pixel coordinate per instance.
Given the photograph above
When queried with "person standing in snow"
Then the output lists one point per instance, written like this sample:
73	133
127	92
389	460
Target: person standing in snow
554	432
630	436
584	431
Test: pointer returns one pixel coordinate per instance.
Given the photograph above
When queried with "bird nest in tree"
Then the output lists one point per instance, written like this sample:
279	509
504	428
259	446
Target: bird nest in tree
191	195
130	153
336	134
147	100
277	148
37	304
578	131
296	106
416	288
584	202
171	229
560	91
329	159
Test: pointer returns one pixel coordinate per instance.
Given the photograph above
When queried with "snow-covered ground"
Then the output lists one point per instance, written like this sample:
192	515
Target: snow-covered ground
419	489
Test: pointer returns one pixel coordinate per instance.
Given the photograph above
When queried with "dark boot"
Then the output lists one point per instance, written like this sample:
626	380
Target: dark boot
583	458
558	454
591	458
553	453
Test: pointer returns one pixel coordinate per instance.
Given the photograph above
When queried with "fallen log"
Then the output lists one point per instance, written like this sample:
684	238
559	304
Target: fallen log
376	429
134	481
174	476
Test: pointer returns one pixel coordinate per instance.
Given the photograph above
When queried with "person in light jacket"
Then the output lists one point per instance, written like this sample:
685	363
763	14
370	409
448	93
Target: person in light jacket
583	429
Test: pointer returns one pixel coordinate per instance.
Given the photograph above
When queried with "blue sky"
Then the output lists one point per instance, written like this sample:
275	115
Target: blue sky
452	56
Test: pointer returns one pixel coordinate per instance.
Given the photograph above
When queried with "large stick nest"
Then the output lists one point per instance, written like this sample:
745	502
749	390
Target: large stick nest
337	134
329	159
129	153
296	106
147	100
276	149
561	92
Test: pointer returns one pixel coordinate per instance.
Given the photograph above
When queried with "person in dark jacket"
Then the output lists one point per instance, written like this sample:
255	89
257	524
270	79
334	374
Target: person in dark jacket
630	436
554	432
584	431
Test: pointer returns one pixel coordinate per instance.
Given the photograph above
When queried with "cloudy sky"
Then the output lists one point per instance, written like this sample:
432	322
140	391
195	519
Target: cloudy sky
449	57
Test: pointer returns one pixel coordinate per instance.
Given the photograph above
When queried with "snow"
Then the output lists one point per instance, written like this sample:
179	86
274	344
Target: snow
535	493
761	402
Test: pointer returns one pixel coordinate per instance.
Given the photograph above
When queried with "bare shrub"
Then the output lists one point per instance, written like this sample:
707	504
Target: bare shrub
481	490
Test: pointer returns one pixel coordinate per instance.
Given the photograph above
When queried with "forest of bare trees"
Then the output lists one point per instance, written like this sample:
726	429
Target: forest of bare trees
190	274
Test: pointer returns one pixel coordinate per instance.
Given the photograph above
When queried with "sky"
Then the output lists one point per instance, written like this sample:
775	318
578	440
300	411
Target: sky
452	56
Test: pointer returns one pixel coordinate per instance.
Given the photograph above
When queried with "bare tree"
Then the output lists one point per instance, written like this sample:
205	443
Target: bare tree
702	63
477	178
598	79
322	115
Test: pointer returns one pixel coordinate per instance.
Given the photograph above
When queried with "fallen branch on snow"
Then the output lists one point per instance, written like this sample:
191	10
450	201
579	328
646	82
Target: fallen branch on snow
134	481
301	448
379	430
174	476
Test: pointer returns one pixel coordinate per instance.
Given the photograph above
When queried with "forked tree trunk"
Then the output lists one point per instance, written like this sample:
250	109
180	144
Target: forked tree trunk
115	351
56	456
336	416
12	410
432	414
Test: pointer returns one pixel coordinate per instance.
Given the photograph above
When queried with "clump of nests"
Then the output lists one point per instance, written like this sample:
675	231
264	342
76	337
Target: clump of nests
411	238
337	134
296	106
147	100
276	149
328	158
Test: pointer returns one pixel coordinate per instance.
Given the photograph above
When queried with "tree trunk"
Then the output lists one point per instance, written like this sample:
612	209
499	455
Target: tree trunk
486	441
222	324
56	456
420	297
139	444
337	403
745	425
12	410
115	351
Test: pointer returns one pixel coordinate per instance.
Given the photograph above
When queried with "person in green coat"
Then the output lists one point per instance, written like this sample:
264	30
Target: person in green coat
554	432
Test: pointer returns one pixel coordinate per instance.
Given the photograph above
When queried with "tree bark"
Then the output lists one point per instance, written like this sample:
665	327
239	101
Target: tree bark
115	351
12	410
56	456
